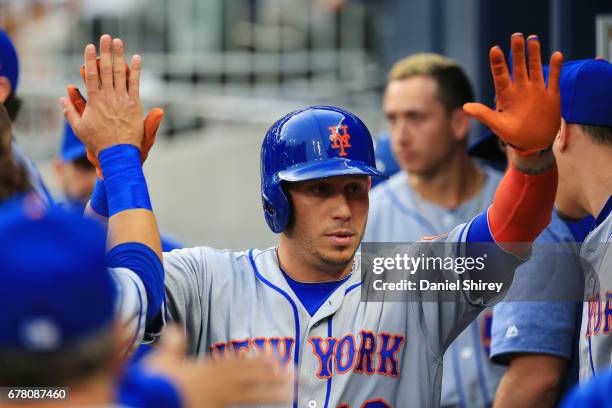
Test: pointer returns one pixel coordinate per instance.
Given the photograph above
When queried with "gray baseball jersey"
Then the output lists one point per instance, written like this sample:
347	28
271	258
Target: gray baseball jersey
349	353
595	338
399	214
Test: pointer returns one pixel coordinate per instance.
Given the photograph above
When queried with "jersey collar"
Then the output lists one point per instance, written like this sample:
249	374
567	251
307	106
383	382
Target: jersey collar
605	211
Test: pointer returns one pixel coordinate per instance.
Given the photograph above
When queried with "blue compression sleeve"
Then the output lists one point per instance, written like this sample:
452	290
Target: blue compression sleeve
143	261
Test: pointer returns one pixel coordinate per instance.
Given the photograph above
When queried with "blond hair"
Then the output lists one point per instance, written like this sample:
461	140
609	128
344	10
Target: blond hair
454	87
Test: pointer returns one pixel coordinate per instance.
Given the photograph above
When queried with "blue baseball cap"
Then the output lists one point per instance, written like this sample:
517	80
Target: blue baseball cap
586	92
487	147
385	161
55	289
72	147
9	63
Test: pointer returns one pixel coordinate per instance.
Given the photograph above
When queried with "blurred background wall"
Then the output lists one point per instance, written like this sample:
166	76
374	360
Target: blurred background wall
224	70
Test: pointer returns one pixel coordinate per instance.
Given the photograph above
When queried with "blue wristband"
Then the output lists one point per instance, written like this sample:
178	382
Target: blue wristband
126	187
98	202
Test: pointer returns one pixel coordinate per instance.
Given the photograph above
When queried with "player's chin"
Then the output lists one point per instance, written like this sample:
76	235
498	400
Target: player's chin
412	165
340	254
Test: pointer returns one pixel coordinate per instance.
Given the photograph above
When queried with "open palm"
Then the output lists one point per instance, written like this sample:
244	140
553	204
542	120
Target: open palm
528	113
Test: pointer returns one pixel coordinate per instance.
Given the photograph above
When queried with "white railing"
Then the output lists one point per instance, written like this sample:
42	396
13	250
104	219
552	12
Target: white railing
213	60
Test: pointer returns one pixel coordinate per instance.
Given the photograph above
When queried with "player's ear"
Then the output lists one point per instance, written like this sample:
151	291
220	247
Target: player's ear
460	124
5	88
563	136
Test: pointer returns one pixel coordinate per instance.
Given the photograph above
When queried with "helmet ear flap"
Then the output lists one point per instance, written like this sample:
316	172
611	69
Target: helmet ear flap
269	210
276	208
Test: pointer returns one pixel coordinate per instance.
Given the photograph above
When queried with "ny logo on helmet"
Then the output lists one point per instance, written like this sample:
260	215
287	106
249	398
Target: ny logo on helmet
341	141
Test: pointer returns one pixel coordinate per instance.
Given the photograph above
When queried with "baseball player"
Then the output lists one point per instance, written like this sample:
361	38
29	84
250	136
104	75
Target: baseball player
59	328
9	79
439	187
132	304
583	150
20	180
535	329
300	300
16	191
9	76
74	173
80	341
133	244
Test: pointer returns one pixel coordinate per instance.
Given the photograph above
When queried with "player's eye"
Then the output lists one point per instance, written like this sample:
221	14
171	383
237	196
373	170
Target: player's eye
355	189
320	189
417	117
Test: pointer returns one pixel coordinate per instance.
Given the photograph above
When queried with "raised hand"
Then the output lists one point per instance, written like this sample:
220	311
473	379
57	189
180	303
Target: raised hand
528	113
151	122
113	114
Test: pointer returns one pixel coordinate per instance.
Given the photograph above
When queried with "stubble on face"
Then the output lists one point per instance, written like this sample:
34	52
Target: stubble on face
312	229
332	260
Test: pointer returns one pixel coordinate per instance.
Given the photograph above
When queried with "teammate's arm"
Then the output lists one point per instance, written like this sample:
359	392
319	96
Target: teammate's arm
527	118
532	380
111	128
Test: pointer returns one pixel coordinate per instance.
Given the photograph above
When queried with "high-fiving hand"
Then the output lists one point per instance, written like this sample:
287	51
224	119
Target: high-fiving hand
151	121
528	113
113	113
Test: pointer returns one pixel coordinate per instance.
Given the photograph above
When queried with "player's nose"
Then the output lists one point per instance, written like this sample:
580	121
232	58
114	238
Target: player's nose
401	133
341	208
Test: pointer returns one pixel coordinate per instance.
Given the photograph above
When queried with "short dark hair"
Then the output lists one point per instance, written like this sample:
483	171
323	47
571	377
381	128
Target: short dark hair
13	174
13	106
599	134
69	365
83	164
454	88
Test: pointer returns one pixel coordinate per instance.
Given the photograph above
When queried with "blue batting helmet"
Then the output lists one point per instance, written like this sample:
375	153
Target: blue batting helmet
308	144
